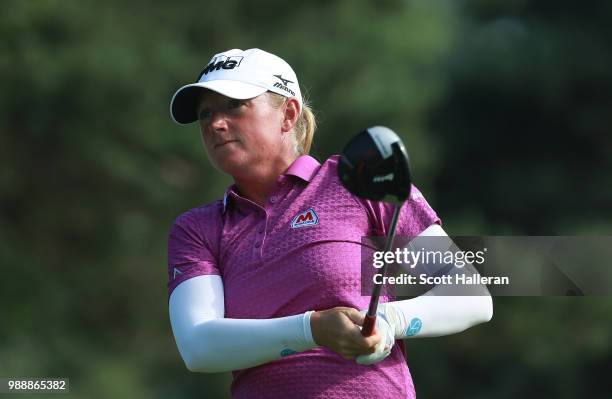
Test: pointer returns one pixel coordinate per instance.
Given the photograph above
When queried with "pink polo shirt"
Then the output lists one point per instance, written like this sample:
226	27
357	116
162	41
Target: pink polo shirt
301	252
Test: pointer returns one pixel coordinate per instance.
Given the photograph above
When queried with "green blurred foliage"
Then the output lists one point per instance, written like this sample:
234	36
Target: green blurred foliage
504	106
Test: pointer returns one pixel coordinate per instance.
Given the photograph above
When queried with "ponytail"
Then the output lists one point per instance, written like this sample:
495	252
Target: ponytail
304	129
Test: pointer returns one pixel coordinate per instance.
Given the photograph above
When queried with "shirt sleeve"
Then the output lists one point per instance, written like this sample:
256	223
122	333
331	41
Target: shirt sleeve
208	342
191	251
416	215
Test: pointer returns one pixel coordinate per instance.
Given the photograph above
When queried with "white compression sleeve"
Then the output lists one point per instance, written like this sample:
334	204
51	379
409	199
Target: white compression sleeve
439	312
208	342
433	316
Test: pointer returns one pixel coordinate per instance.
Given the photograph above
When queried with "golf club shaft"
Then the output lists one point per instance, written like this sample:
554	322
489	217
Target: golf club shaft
370	317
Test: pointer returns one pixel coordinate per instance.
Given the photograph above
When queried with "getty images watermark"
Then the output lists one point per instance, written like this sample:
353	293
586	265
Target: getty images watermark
409	258
499	265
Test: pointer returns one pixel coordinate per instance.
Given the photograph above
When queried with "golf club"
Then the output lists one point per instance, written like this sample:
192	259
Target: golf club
374	165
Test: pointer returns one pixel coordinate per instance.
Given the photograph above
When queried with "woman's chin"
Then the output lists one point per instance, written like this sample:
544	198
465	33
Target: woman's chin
231	165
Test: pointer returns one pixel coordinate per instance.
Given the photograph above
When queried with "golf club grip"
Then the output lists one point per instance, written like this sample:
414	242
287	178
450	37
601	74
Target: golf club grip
368	325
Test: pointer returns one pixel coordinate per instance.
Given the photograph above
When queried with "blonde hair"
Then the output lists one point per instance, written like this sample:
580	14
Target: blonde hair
305	126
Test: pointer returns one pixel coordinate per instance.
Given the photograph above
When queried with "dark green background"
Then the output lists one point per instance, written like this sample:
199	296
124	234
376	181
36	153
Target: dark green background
505	107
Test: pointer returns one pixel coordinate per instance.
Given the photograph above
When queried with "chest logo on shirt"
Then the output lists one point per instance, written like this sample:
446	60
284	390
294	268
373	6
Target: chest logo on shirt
304	219
176	272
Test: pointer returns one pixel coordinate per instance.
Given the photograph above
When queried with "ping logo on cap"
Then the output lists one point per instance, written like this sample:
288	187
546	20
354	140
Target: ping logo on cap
221	62
304	219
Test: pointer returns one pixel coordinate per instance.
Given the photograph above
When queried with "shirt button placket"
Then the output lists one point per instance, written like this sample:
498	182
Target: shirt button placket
261	235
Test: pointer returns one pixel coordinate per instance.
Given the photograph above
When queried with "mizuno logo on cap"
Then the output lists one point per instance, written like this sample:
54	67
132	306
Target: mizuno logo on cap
283	86
285	81
304	219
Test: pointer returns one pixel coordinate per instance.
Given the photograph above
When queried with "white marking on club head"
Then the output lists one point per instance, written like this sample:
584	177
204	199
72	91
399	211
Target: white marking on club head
380	179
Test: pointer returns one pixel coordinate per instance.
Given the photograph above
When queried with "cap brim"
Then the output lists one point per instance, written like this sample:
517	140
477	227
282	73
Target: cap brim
183	106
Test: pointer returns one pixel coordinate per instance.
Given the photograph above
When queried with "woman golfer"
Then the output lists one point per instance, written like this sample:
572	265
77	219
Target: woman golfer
266	281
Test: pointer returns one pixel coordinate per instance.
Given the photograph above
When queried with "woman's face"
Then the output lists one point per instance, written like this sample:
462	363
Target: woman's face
240	134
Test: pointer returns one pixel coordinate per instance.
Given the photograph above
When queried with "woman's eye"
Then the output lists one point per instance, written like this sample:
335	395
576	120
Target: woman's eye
204	114
233	103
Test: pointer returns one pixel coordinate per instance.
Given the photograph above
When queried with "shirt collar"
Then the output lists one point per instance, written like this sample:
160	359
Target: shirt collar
304	167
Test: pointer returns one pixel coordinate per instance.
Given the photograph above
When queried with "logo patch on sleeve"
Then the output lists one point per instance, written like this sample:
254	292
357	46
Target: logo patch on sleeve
304	219
287	352
414	327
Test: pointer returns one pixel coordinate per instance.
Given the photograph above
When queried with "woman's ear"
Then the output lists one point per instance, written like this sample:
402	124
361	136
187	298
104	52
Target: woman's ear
291	114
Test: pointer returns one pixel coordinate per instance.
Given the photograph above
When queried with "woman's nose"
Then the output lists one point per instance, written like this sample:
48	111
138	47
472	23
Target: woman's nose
217	120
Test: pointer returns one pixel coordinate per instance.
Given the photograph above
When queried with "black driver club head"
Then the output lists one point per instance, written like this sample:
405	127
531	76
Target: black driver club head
374	165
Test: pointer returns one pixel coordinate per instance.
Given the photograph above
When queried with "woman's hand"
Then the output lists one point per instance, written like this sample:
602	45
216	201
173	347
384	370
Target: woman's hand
386	326
338	329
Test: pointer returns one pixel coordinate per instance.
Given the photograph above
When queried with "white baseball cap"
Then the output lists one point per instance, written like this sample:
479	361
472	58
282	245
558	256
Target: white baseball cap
236	74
